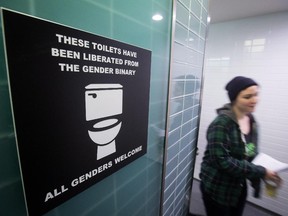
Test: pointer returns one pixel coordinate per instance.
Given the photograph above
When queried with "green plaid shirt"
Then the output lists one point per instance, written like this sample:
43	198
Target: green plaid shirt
224	168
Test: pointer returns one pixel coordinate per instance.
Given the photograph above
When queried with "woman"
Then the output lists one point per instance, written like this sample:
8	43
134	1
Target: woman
232	144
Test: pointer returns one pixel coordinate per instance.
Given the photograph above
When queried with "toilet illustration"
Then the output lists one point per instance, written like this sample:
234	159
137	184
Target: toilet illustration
104	104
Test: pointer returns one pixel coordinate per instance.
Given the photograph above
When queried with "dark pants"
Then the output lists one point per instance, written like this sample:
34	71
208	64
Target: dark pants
215	209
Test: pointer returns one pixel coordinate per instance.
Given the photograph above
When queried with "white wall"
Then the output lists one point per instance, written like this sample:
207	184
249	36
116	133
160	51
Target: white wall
258	48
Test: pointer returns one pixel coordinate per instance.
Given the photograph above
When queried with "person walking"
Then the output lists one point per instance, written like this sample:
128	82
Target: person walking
231	146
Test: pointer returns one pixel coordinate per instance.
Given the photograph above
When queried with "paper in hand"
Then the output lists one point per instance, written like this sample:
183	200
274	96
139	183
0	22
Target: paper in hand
270	163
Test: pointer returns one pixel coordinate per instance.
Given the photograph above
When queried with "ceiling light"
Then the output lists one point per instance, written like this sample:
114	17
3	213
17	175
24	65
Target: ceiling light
208	19
157	17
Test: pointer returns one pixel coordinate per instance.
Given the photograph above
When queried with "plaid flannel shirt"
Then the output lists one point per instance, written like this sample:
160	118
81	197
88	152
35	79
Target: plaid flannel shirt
224	168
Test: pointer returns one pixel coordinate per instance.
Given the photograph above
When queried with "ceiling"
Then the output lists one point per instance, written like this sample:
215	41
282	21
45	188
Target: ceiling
225	10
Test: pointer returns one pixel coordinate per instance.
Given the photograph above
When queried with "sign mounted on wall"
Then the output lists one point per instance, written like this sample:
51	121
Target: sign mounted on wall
80	106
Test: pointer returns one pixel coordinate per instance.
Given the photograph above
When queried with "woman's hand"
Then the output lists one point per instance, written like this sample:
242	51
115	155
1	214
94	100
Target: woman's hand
272	176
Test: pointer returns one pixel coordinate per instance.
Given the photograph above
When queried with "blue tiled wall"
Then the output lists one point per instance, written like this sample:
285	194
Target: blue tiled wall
184	103
135	189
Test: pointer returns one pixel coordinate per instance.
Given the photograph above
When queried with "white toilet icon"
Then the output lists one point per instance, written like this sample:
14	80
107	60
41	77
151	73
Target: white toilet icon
104	103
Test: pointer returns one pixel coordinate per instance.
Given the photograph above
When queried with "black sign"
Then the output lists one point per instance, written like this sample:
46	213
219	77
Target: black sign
80	105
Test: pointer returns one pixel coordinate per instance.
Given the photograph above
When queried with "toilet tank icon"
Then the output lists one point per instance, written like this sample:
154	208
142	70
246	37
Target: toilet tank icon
103	100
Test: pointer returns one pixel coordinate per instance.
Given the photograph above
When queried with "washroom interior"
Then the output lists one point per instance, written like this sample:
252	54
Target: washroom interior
249	38
191	61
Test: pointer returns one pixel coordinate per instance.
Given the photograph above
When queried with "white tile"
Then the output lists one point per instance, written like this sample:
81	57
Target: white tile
258	48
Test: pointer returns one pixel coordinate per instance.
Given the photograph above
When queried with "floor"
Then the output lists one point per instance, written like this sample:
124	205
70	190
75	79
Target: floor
197	207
